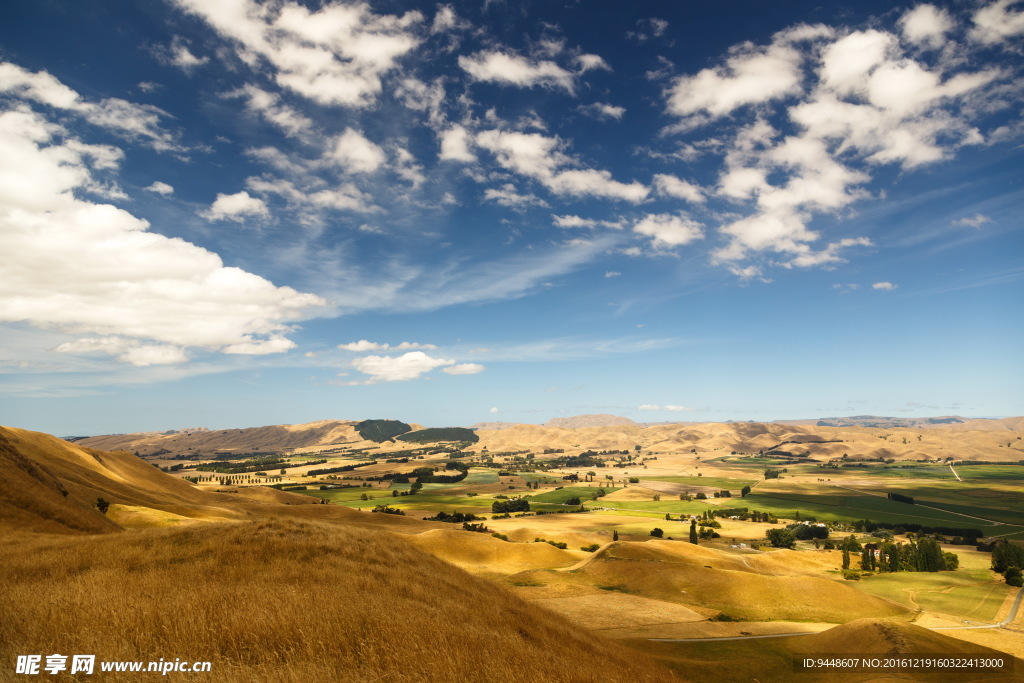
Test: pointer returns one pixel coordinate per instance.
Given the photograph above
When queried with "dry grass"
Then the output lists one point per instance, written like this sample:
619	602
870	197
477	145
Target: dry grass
706	579
286	600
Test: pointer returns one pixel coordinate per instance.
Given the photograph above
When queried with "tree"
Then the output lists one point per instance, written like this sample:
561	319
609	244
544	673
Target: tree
693	531
657	533
1014	577
744	491
781	538
846	558
102	505
615	535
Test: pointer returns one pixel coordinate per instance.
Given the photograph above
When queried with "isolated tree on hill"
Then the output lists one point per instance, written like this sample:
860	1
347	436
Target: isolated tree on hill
846	558
102	505
744	491
615	535
693	531
657	533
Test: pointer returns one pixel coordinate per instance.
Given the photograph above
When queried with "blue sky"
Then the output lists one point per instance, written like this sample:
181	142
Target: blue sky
230	213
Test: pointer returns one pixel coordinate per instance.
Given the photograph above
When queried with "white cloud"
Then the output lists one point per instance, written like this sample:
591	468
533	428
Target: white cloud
669	230
751	76
975	221
85	268
926	25
603	110
39	86
455	145
160	188
179	55
511	69
335	55
135	122
508	195
829	255
402	368
365	345
668	407
464	369
612	273
353	152
671	186
153	354
236	207
261	347
857	101
587	62
540	157
493	410
269	107
574	222
883	286
994	24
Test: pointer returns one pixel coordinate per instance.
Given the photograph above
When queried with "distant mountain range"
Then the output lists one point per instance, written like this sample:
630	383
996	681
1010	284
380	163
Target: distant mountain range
878	421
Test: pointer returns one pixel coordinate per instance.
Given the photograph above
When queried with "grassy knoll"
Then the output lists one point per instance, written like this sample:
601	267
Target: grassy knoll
541	477
716	482
963	594
480	475
561	495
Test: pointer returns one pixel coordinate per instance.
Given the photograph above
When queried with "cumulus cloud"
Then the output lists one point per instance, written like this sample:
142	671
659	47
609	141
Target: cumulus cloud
464	369
455	143
671	186
236	207
669	230
883	286
160	188
355	153
335	55
541	157
926	25
996	22
86	268
506	68
402	368
493	409
855	101
269	107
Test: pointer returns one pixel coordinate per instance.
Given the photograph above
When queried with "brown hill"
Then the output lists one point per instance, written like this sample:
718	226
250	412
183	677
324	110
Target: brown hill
787	587
274	438
289	601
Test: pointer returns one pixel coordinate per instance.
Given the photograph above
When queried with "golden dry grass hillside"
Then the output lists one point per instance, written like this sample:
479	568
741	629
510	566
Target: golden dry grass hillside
772	660
284	600
784	586
36	470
